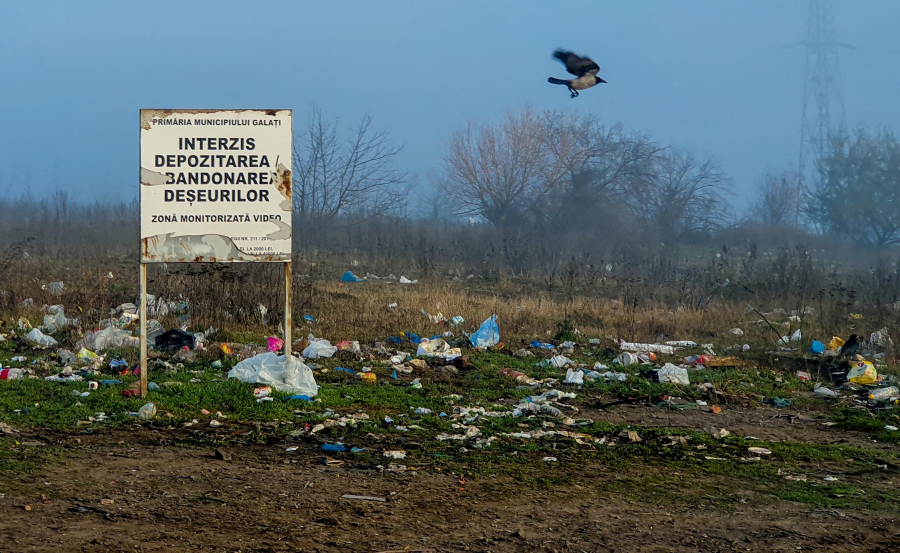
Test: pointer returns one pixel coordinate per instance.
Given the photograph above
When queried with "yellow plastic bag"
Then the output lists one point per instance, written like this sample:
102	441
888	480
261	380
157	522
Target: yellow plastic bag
835	343
863	373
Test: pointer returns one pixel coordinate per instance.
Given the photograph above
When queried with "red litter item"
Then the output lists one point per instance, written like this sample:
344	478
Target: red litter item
130	393
512	373
803	375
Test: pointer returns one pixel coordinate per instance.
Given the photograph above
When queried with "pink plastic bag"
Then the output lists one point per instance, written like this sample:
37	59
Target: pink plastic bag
275	344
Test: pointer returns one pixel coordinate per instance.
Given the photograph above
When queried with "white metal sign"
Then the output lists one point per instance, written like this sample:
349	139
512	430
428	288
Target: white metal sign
216	185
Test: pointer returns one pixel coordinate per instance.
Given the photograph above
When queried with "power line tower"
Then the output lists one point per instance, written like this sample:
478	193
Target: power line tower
823	99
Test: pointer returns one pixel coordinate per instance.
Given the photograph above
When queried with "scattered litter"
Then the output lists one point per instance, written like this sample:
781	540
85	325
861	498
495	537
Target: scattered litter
488	335
350	277
821	391
863	373
574	377
638	348
736	332
673	374
395	454
147	412
318	348
39	338
682	344
286	374
759	450
275	344
364	498
334	447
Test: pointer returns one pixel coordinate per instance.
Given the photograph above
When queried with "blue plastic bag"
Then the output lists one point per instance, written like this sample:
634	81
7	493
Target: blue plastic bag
350	277
488	335
817	347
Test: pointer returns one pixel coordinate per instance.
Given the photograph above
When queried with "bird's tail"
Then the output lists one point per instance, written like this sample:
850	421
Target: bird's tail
557	81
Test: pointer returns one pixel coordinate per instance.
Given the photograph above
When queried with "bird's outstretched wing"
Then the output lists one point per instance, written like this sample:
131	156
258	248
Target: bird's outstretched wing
577	65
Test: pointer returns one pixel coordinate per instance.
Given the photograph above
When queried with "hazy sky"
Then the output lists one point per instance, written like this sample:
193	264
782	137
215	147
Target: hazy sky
701	74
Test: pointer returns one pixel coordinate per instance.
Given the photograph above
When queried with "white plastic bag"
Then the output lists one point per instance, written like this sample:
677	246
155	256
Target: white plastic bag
574	377
318	348
285	374
109	338
39	338
638	348
673	374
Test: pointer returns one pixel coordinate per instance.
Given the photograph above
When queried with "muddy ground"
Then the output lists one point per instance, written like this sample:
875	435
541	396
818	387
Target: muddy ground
149	490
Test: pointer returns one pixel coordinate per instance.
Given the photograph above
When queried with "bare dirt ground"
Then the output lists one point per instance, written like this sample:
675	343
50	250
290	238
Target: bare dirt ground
137	491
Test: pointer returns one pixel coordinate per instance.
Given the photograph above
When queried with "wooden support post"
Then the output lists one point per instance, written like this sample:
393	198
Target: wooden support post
143	330
288	324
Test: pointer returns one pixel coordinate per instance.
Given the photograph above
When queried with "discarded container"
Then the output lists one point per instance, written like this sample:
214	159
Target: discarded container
11	374
147	412
882	395
627	358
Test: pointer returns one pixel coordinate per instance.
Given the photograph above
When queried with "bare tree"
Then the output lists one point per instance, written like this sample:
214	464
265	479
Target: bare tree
858	192
780	200
335	177
520	171
683	196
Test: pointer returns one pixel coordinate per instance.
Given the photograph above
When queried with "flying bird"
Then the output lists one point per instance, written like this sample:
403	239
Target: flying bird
585	70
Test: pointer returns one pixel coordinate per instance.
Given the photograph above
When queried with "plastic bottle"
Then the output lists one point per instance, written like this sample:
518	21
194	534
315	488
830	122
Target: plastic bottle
147	412
883	394
11	374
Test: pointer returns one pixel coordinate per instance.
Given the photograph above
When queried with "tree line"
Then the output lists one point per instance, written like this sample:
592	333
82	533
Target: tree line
537	173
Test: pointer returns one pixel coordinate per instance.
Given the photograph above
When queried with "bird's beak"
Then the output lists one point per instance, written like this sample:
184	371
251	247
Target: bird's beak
601	80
